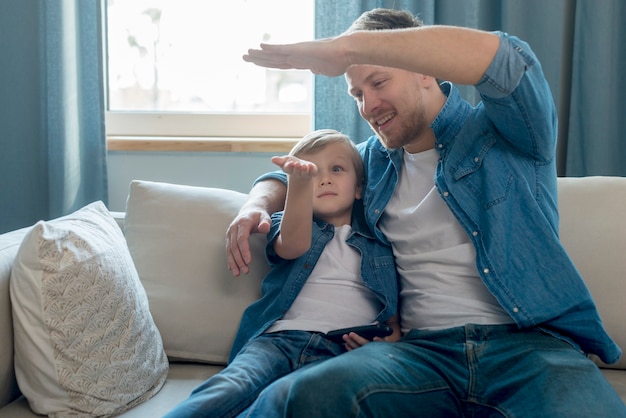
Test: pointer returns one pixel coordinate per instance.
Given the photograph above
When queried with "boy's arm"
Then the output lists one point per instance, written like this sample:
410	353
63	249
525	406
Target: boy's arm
295	234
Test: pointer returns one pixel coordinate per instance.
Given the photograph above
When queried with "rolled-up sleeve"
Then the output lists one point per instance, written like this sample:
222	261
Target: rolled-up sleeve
513	58
273	175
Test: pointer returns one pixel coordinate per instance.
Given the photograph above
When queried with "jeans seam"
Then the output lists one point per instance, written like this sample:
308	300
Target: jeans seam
470	357
395	389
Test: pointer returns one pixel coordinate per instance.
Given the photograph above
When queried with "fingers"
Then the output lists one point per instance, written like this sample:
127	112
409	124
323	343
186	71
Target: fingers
268	57
237	248
280	161
238	254
294	166
324	56
354	340
298	56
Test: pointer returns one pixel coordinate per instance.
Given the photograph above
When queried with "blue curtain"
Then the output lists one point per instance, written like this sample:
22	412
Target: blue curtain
53	158
597	114
579	43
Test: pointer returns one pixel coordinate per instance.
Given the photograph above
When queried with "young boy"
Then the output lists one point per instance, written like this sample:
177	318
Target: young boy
328	272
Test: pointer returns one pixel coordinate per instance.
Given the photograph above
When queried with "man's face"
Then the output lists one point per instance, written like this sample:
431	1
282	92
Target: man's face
391	101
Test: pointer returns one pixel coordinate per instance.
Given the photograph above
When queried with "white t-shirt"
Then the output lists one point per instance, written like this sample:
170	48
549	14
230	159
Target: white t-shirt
439	283
334	296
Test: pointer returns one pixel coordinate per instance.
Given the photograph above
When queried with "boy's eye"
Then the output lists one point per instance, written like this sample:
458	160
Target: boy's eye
337	168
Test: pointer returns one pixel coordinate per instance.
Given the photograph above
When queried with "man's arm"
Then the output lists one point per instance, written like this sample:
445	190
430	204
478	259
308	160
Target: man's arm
265	197
460	55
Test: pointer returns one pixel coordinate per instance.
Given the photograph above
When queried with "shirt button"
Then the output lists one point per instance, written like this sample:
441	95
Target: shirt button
475	233
476	159
486	270
446	194
440	146
376	211
516	310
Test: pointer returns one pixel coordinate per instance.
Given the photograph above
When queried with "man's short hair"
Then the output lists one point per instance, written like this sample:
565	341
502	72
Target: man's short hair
380	19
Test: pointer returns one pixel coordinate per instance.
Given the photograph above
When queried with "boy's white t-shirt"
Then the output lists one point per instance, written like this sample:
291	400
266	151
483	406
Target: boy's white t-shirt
439	283
334	296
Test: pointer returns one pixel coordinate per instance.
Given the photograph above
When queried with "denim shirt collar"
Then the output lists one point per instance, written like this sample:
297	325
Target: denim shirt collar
450	119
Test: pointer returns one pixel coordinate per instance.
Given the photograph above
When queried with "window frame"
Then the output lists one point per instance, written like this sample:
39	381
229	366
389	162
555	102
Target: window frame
219	132
198	131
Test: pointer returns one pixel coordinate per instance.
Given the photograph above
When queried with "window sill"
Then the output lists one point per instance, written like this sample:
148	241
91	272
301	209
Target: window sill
199	144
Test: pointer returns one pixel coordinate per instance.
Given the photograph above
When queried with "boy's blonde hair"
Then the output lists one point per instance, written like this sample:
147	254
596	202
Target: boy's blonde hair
317	140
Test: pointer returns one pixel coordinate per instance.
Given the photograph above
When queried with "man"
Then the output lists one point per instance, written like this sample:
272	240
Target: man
496	319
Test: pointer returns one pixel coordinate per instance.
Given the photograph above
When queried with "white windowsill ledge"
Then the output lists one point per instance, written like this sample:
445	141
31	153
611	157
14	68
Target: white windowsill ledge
199	144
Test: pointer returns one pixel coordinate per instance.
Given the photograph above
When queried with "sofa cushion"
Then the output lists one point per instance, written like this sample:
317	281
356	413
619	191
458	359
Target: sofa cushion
85	342
592	231
176	236
9	244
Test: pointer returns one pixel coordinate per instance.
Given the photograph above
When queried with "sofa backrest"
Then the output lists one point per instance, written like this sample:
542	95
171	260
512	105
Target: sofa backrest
9	244
593	230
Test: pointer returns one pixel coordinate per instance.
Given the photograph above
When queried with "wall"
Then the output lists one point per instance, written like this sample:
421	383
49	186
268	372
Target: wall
234	171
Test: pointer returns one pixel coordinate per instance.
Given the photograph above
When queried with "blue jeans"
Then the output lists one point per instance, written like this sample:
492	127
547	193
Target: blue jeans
260	362
470	371
271	401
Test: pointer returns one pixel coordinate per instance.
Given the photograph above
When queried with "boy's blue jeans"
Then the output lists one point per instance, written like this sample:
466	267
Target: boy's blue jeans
260	362
470	371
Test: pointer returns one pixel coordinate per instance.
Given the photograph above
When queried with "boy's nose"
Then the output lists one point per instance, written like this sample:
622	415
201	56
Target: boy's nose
324	180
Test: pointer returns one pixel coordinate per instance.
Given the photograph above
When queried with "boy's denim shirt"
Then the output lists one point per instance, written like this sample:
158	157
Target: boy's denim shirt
497	174
287	277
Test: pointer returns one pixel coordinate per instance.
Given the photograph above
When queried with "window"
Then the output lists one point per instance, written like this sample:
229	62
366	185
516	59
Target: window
174	69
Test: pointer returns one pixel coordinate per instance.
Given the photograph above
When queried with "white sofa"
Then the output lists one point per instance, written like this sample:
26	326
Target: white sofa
175	235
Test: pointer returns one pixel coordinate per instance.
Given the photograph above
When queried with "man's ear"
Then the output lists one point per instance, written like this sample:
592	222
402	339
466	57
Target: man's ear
428	81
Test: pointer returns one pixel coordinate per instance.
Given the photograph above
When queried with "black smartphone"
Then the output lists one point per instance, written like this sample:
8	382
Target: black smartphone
366	331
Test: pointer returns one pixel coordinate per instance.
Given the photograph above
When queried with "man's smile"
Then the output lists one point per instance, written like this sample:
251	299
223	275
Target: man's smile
383	120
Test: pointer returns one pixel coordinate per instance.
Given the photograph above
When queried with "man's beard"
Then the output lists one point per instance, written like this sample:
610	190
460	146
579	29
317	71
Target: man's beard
407	133
406	136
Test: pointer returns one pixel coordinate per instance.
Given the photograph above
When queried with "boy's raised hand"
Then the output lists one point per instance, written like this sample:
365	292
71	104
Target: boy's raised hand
294	166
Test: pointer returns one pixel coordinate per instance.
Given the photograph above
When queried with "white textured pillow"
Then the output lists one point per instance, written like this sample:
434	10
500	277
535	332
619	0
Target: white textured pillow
85	343
176	236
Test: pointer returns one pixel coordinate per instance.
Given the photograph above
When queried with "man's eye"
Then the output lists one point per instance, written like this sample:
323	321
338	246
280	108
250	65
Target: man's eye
379	84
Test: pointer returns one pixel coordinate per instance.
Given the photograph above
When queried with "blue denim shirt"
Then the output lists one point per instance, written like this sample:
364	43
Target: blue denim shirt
287	277
497	174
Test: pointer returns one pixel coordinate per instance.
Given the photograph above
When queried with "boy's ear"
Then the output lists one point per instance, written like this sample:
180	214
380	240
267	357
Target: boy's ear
358	194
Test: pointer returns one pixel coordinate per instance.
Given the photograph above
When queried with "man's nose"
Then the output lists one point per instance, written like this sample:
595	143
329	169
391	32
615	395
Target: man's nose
370	103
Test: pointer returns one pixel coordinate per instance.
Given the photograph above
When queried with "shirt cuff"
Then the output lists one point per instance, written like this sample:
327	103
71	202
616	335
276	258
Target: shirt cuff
513	58
273	175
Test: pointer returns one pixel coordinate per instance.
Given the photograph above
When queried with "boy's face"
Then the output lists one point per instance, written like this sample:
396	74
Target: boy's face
335	184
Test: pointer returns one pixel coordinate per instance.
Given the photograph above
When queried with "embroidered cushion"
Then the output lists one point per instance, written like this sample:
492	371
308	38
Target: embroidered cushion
85	341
